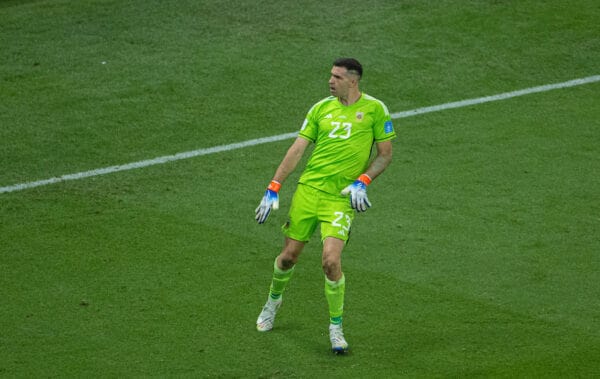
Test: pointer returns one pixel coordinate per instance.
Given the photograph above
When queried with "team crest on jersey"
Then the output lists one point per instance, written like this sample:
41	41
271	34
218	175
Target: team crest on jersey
360	116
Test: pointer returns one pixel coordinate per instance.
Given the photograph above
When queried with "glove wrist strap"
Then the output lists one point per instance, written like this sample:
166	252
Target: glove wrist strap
274	186
365	179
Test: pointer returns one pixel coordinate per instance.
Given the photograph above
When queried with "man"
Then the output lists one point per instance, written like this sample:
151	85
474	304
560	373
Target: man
343	127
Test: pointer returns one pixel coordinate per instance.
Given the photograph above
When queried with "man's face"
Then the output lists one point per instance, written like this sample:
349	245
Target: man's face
340	81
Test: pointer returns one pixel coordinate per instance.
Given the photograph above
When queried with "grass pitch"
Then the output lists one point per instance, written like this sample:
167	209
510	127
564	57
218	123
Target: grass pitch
479	257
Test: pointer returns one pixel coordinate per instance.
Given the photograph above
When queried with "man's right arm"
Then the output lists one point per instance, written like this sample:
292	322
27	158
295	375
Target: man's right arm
291	159
270	199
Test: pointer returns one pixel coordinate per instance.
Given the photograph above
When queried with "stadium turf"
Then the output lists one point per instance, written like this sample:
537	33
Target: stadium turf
479	257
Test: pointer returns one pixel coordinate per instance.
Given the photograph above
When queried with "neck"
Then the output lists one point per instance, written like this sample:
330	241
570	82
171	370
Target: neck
351	98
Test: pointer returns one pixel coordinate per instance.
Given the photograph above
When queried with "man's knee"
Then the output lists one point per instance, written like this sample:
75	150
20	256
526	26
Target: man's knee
332	268
289	255
286	262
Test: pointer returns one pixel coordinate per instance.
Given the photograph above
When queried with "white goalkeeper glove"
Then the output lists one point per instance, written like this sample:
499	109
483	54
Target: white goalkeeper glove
269	201
358	193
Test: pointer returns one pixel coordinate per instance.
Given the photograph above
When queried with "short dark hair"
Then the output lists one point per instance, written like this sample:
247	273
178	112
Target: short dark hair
350	64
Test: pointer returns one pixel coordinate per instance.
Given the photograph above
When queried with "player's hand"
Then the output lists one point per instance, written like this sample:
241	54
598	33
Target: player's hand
358	193
269	201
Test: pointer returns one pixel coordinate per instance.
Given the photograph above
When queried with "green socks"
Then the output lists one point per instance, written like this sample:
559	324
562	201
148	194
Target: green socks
334	292
280	281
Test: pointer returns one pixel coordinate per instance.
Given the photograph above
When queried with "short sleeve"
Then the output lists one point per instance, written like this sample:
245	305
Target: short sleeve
310	126
383	128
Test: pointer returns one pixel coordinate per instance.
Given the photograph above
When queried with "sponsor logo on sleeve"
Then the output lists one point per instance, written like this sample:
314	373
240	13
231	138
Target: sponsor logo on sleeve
388	127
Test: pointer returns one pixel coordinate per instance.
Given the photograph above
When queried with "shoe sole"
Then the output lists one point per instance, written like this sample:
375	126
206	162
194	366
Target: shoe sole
263	330
271	328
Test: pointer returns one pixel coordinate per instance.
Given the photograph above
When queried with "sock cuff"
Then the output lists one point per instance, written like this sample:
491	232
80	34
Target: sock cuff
335	320
339	282
279	271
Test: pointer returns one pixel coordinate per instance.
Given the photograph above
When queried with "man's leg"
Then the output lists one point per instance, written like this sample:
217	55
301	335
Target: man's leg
335	286
334	278
283	269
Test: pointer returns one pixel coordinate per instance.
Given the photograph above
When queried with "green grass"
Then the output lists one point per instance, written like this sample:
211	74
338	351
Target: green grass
479	257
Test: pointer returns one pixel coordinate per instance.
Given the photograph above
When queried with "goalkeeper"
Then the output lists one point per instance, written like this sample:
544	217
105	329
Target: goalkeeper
344	127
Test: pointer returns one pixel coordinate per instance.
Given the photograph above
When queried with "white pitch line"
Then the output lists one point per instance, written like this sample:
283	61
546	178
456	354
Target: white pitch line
280	137
148	162
501	96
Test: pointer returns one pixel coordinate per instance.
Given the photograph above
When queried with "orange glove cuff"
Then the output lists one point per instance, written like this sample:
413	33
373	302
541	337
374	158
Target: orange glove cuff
365	179
274	186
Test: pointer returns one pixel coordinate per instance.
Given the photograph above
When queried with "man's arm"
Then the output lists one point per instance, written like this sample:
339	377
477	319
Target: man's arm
271	198
291	159
358	189
382	160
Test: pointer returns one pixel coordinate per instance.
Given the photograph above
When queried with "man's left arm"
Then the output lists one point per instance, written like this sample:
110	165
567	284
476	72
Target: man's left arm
382	159
358	189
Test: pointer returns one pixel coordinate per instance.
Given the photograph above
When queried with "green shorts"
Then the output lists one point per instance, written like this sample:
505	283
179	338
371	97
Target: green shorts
310	207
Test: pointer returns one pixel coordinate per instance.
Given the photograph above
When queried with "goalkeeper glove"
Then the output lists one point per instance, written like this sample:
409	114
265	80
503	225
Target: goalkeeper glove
358	193
269	201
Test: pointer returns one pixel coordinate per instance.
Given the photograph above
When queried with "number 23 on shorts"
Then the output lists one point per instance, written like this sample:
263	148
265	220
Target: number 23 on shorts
341	223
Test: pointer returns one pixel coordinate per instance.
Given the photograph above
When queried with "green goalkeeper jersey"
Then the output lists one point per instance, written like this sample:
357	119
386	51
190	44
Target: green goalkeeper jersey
343	137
